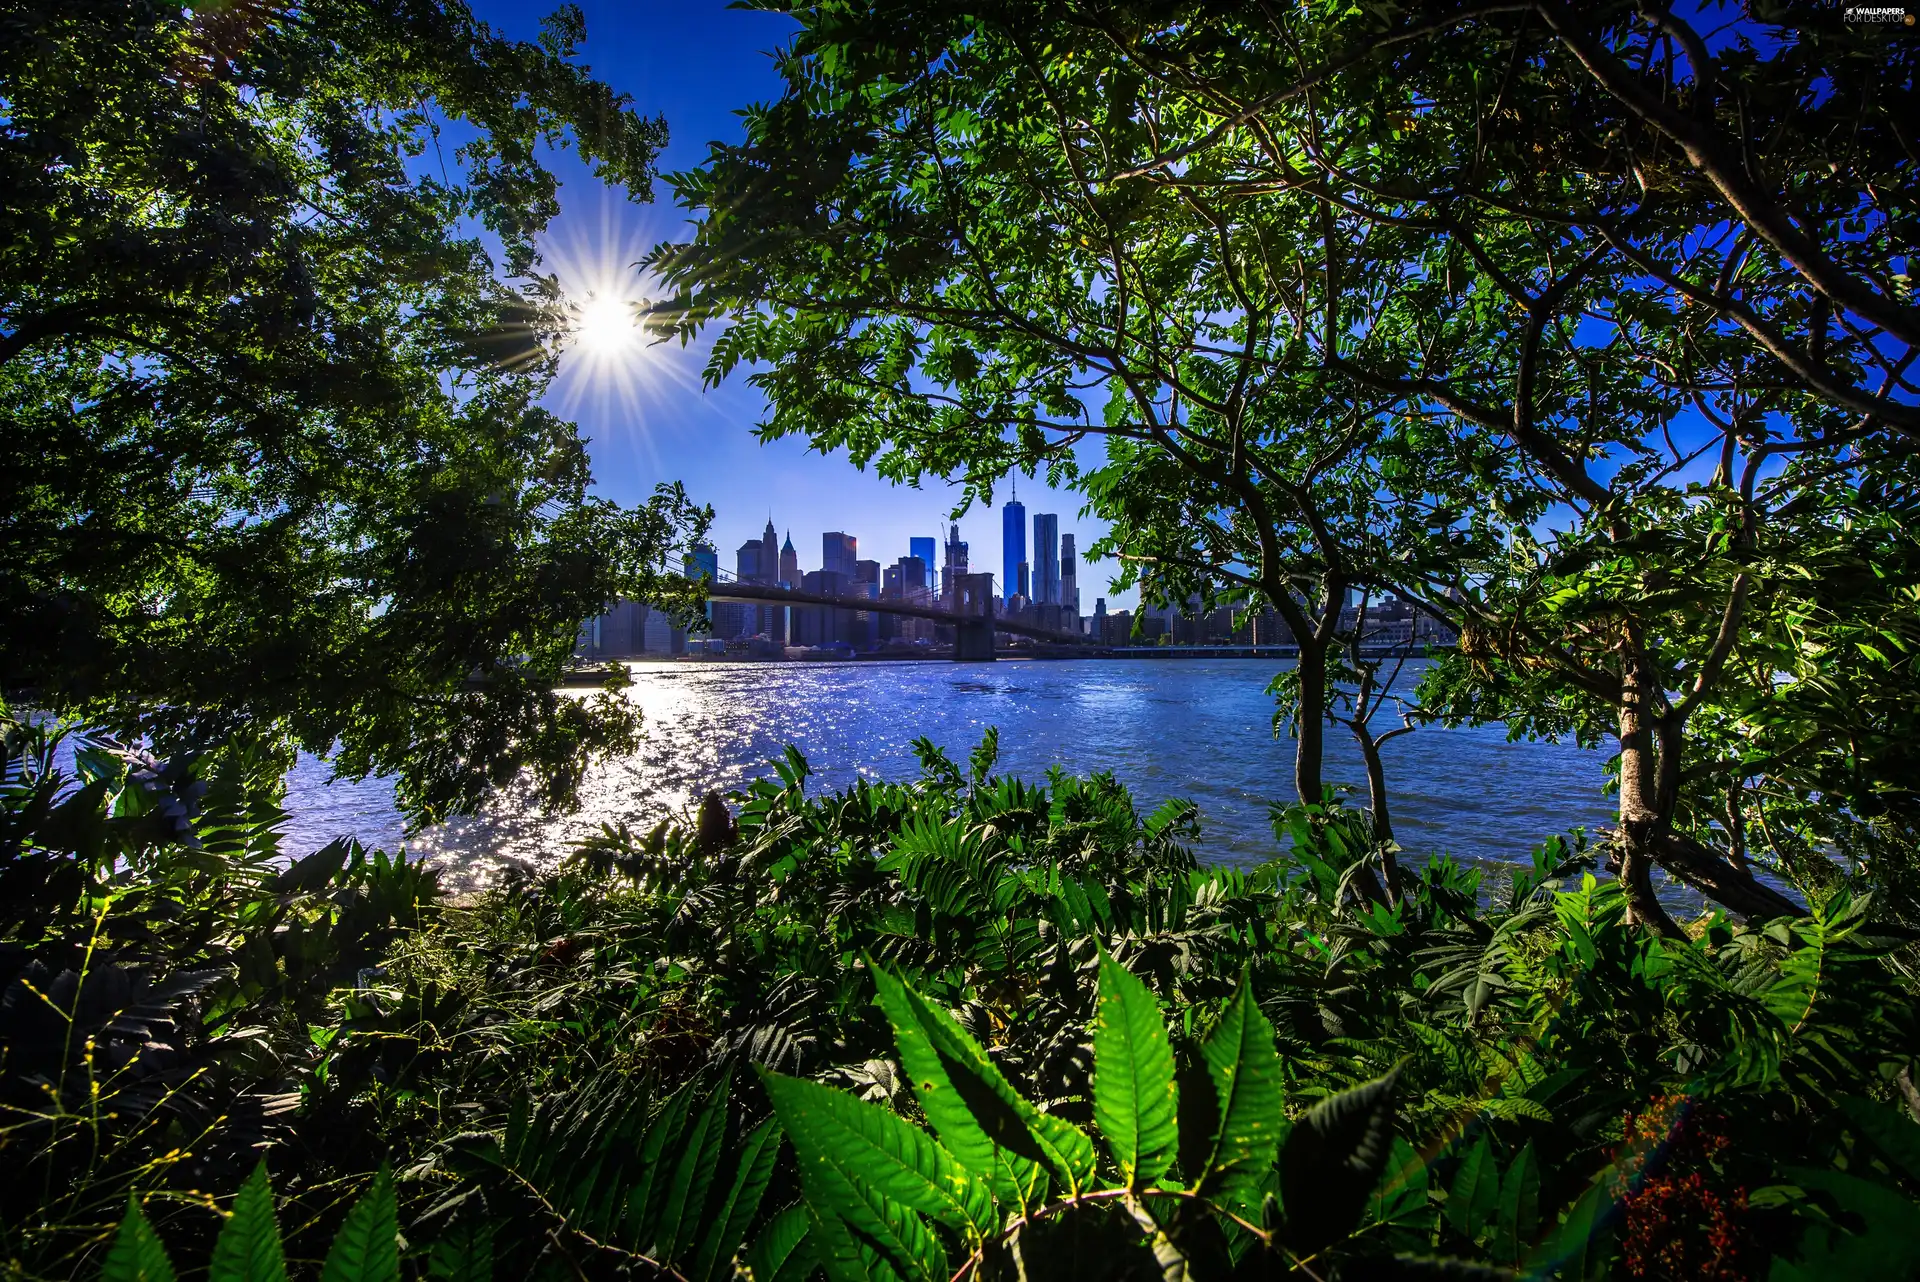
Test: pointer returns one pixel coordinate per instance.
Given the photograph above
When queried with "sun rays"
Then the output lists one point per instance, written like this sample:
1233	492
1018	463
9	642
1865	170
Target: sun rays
614	375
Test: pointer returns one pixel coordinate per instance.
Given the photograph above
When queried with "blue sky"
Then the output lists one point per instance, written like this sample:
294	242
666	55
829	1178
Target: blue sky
697	62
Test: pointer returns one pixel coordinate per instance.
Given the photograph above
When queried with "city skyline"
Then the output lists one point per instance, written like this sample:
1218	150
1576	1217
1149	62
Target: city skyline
983	555
696	64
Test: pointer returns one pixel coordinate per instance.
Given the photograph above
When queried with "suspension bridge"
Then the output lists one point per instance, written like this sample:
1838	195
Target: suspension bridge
970	615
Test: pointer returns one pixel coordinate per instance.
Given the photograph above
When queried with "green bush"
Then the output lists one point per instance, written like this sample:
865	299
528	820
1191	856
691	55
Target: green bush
956	1024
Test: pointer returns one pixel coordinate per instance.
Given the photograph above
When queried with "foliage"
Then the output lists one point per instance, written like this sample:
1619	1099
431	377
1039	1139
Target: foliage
1308	276
272	453
960	1022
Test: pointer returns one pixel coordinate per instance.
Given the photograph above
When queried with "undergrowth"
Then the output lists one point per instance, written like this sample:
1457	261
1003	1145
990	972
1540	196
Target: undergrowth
960	1026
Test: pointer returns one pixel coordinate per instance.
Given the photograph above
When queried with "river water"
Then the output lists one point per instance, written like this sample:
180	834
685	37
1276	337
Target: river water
1194	728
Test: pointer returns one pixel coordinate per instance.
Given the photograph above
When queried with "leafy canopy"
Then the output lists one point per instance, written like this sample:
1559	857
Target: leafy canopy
272	342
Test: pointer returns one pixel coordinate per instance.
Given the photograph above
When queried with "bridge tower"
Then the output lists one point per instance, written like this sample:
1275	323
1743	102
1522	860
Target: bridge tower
973	637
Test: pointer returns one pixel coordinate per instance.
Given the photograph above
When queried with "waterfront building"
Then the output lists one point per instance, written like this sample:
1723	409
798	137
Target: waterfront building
955	566
757	561
912	572
906	580
1069	582
703	561
630	630
789	563
838	552
1013	548
746	561
1046	559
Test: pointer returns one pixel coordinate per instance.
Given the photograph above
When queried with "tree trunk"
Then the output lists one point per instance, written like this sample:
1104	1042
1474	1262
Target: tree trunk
1641	822
1377	809
1310	725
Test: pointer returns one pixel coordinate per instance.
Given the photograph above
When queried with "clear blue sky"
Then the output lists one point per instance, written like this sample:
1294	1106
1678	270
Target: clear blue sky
696	62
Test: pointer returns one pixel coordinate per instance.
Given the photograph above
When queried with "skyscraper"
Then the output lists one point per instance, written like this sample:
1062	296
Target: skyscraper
747	561
703	560
1069	576
1046	559
789	563
956	563
838	552
770	559
911	572
1013	545
925	550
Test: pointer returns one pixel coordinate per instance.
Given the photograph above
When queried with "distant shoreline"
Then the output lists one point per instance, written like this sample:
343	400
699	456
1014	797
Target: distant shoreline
1012	656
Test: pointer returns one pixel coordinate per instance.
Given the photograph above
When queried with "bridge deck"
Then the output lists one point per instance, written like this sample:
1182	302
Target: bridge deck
768	594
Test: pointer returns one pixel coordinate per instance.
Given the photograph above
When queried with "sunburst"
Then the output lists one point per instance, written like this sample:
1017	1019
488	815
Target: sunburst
614	375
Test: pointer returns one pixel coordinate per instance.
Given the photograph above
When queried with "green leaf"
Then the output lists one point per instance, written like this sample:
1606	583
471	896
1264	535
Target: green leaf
1475	1192
648	1191
464	1253
1332	1161
1401	1199
136	1254
1246	1080
1889	1248
248	1249
1518	1218
686	1192
863	1166
784	1251
847	1254
1894	1135
367	1248
1579	1248
977	1114
729	1223
1135	1101
869	1144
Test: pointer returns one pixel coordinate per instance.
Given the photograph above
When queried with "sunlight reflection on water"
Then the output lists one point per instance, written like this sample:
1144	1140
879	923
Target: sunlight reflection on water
1194	728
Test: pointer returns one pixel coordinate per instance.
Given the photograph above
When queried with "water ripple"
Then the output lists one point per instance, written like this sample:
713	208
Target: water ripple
1188	728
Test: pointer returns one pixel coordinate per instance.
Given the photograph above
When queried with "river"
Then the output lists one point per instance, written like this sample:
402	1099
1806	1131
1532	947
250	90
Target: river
1194	728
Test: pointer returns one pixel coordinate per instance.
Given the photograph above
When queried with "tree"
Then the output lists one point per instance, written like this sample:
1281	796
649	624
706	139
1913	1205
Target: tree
923	244
273	454
1608	306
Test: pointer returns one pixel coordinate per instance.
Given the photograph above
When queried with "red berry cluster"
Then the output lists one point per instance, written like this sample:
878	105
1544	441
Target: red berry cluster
1681	1222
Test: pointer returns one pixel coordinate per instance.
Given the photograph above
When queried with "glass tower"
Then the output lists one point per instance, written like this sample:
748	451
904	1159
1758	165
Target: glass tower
1046	559
1013	546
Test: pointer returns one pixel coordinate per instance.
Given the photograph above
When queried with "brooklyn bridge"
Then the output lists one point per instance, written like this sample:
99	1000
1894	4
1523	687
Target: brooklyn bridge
970	613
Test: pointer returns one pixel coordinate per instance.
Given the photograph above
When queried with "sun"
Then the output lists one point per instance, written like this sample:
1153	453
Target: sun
606	327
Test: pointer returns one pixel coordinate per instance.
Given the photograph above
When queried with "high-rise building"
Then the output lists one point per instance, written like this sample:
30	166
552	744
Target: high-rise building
838	552
1013	546
925	550
789	563
1046	559
703	562
746	562
955	564
756	562
1069	577
911	573
770	559
1021	586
